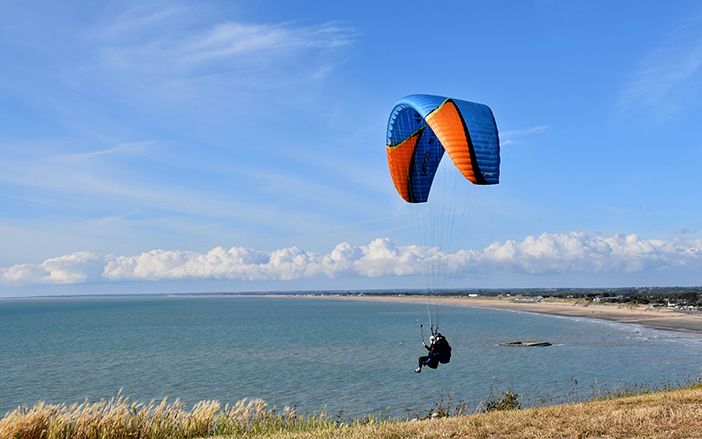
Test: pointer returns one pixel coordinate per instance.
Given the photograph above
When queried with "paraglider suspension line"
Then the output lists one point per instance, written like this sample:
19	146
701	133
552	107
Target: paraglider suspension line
434	329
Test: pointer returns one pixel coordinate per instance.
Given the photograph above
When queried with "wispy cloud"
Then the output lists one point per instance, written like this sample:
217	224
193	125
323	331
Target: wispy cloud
82	181
574	252
515	136
151	43
141	18
668	77
124	149
113	177
232	39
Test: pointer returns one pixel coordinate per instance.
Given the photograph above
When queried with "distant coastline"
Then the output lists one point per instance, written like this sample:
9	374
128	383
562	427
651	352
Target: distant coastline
657	317
419	292
653	317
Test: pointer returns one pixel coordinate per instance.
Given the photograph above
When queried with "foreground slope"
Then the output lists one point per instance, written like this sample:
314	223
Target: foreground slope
669	414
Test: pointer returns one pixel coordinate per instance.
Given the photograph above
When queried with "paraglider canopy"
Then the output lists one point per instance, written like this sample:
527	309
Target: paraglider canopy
422	127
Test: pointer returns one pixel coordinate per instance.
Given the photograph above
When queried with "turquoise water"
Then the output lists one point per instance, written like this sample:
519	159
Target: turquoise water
354	357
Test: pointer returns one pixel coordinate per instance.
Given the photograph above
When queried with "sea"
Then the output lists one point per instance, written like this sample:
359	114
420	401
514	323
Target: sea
346	358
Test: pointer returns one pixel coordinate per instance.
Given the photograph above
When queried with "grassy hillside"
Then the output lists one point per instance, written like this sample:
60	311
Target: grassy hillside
669	414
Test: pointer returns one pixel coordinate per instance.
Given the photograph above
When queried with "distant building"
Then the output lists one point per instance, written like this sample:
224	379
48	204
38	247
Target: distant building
608	299
529	299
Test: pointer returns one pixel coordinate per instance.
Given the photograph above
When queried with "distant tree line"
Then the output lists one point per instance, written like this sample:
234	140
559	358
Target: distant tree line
663	296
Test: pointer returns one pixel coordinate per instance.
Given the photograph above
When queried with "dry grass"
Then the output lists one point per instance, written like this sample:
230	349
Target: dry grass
118	418
669	414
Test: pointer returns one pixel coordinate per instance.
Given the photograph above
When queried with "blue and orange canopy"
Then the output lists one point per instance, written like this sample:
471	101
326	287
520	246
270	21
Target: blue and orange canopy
422	127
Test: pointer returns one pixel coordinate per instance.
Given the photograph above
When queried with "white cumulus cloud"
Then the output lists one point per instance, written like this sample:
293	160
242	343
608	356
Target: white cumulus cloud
548	253
69	269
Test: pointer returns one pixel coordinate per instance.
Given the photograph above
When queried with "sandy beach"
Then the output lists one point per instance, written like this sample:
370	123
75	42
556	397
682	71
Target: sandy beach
658	318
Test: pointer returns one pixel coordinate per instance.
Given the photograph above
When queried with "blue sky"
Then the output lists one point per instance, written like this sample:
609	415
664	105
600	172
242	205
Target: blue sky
210	146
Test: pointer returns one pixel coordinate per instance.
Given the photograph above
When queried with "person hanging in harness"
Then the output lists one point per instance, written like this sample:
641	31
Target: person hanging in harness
439	352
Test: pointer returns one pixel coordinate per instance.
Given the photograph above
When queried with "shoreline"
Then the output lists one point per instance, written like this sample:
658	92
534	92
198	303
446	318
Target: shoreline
656	318
648	316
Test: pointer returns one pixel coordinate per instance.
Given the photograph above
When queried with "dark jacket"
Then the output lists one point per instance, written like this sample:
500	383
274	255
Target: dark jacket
440	350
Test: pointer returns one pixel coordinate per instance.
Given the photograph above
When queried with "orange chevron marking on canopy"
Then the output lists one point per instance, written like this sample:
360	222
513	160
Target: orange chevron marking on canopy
399	158
449	128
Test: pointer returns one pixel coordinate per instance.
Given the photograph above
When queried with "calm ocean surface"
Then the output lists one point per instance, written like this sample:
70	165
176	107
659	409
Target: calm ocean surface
355	357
